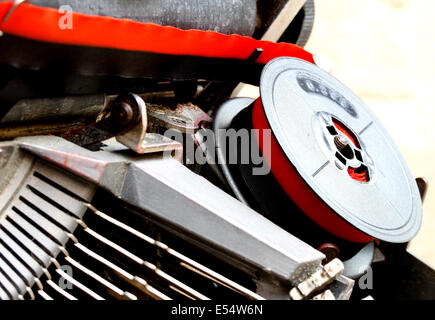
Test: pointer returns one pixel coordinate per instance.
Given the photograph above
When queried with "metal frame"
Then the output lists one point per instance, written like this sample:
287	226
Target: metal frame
186	204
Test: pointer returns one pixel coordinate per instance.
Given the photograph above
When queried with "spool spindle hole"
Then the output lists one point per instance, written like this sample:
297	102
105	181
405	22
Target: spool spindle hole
344	147
340	157
347	151
360	174
332	130
358	155
341	127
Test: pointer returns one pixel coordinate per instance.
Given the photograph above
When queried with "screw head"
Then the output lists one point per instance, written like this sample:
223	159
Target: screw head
123	114
330	250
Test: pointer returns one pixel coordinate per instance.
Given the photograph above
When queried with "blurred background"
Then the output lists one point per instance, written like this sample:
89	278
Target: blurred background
384	50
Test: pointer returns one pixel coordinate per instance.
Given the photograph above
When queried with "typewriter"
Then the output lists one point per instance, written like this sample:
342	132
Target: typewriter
130	168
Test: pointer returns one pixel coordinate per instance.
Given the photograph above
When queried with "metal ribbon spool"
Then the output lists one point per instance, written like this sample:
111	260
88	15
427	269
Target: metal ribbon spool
331	155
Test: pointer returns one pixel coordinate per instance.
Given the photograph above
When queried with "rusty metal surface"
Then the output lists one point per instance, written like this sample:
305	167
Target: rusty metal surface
330	250
186	117
51	116
13	131
122	114
37	110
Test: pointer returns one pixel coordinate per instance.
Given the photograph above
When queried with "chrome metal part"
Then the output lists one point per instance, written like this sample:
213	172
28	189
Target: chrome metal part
134	138
33	228
52	242
207	217
143	142
222	122
342	287
317	280
184	261
360	262
326	295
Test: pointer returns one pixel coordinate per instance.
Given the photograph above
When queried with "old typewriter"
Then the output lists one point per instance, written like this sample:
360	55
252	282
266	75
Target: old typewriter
130	168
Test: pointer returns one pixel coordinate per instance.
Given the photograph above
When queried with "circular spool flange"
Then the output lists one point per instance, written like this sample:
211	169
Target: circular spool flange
222	122
314	118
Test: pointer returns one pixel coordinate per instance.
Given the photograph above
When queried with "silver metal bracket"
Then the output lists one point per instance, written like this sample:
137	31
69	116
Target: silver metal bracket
138	140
